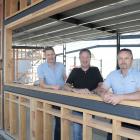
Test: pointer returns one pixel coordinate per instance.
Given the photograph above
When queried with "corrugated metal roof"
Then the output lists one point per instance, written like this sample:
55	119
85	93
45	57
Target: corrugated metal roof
97	19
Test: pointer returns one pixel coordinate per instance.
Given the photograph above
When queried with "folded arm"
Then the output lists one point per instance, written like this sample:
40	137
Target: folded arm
114	98
43	85
69	87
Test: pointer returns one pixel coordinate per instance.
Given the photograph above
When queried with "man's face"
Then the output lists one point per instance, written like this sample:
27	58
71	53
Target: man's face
50	56
124	60
85	59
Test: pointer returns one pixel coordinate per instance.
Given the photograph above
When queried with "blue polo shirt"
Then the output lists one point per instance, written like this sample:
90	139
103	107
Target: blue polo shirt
52	76
123	84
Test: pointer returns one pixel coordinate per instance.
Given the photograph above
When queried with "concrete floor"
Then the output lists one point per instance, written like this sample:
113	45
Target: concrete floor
3	136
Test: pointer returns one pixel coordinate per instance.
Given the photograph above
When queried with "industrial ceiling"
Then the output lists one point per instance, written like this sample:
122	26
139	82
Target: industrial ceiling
97	19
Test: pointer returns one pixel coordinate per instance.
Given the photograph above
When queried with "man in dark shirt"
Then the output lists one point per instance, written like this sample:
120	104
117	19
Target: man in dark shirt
83	80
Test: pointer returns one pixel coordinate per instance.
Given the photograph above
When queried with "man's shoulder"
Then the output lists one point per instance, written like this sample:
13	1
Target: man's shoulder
93	68
42	65
76	70
135	72
114	73
60	65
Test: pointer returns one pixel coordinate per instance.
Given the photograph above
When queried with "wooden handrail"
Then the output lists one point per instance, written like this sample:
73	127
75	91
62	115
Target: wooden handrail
72	94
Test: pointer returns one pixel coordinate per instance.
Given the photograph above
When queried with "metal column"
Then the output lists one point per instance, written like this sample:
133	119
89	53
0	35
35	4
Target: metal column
118	47
64	54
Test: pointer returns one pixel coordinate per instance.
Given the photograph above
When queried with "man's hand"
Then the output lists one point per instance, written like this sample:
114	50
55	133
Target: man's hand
106	96
55	87
101	90
81	91
112	98
115	99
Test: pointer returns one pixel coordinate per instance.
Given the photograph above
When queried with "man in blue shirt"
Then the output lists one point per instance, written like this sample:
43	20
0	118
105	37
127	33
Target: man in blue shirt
125	83
52	75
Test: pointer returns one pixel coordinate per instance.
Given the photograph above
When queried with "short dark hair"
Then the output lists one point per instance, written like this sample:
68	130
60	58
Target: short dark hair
85	50
126	50
48	49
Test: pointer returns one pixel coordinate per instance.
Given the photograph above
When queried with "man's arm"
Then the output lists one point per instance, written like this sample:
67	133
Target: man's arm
43	85
69	83
101	90
65	77
115	99
69	87
131	96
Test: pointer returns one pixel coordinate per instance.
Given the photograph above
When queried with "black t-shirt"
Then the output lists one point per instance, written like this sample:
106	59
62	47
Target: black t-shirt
85	79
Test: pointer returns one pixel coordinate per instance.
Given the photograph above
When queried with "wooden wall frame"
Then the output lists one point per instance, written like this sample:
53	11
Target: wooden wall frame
0	44
1	64
39	107
1	26
13	7
42	113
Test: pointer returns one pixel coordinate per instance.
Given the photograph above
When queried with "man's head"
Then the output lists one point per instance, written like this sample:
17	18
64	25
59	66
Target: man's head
50	54
125	58
85	57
